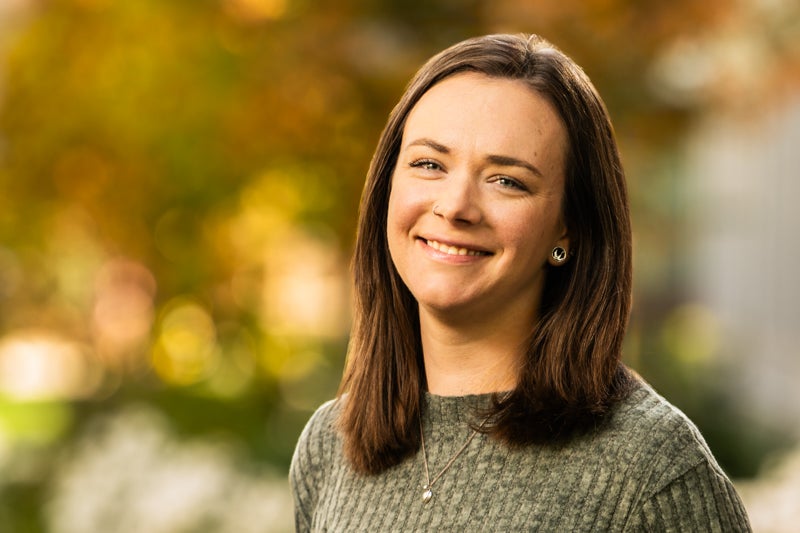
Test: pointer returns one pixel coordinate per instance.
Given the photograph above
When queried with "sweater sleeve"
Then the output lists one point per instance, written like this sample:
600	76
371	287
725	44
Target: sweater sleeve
307	470
702	499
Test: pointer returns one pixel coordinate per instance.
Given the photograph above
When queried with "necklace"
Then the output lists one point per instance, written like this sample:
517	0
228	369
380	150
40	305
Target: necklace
427	489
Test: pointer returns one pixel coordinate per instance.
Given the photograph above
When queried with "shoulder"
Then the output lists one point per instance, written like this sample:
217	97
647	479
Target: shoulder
318	438
679	481
312	461
655	435
323	421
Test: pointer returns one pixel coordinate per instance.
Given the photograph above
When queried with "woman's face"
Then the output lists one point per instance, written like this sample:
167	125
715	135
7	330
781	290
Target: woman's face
475	203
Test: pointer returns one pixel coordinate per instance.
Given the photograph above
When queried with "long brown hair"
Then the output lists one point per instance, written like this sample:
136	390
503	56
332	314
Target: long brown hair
572	373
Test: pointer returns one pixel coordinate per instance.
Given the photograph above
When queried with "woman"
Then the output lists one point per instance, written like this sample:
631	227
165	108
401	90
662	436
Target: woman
484	389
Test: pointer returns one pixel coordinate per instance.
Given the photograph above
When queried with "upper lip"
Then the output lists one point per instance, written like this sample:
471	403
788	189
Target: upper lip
457	244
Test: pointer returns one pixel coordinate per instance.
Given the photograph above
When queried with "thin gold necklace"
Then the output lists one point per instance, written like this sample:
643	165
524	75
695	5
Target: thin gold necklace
427	489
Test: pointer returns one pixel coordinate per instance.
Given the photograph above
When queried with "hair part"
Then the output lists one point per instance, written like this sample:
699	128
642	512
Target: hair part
572	373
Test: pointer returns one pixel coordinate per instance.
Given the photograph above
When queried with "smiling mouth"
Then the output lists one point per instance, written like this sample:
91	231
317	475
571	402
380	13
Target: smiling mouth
453	250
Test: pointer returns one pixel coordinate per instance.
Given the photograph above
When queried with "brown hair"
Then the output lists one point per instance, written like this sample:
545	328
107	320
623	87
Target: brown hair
572	373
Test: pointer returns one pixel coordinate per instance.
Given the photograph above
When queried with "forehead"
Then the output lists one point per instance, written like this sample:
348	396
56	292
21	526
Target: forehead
476	111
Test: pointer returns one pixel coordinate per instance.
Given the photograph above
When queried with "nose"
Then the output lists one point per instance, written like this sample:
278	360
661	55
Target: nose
459	201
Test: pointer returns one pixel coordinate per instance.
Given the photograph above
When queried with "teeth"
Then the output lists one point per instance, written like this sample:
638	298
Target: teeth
452	250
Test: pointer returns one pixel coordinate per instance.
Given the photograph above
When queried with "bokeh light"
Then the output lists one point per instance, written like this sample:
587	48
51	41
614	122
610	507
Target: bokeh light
37	365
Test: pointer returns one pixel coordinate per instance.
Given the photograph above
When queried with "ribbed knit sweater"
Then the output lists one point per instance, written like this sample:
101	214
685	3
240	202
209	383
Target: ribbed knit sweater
646	469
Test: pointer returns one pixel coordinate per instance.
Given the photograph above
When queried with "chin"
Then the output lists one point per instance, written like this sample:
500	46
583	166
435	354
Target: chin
455	304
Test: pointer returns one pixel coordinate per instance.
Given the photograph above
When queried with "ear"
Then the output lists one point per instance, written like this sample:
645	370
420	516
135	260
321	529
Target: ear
561	252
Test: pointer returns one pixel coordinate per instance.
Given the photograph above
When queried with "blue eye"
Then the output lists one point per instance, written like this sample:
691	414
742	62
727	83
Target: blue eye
510	183
426	164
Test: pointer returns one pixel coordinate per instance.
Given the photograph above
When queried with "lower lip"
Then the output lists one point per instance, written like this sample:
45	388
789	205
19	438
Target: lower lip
448	258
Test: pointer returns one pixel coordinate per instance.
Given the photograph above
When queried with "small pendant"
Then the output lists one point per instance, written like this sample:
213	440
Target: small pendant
427	495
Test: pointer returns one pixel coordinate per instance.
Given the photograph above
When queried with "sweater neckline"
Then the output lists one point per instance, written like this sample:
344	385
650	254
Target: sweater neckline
455	410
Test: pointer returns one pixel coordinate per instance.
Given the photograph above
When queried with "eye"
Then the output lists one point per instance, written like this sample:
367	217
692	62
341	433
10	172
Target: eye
426	164
510	183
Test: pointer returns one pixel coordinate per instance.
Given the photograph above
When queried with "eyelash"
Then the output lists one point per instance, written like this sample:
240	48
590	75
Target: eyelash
423	164
511	183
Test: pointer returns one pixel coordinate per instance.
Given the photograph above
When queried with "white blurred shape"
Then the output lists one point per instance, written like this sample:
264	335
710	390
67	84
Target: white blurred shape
130	474
742	181
772	499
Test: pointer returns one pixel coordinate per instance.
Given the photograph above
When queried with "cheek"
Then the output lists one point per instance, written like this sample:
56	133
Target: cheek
405	207
396	222
528	239
532	236
393	215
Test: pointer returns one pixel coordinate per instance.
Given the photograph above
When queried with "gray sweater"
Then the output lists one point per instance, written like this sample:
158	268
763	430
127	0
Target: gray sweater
646	469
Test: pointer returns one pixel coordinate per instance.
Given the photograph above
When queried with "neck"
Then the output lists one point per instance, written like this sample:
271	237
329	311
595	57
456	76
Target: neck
474	358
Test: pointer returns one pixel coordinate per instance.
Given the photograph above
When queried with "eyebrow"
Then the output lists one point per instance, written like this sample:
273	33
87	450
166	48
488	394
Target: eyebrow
507	161
502	160
430	144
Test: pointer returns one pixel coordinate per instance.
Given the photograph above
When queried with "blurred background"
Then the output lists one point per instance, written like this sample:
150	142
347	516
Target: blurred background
179	182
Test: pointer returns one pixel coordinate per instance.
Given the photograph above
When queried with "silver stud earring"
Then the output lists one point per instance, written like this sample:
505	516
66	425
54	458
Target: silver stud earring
559	254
